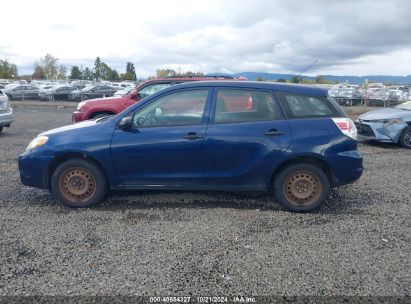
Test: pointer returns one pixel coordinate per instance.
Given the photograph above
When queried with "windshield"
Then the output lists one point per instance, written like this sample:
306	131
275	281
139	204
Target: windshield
405	105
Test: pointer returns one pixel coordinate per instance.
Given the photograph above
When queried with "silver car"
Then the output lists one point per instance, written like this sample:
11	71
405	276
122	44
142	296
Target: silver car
391	125
21	92
6	113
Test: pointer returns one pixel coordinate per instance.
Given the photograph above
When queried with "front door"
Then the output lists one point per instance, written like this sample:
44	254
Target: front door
245	137
165	145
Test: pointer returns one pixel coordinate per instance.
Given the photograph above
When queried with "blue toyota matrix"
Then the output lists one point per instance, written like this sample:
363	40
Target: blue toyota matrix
290	140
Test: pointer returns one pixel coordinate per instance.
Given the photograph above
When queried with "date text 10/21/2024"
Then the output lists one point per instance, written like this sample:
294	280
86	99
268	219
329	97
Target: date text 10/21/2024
171	299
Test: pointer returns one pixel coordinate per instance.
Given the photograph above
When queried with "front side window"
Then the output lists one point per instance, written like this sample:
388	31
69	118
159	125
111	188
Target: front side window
176	109
244	105
151	89
303	106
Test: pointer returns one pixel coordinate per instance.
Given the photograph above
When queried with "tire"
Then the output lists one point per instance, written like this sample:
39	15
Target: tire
51	98
78	183
1	129
9	97
301	187
85	97
405	138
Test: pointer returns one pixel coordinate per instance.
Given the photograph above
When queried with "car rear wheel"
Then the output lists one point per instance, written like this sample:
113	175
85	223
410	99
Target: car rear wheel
1	129
78	183
405	138
301	187
51	98
9	97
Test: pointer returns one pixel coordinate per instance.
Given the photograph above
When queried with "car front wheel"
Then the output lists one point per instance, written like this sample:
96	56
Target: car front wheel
78	183
301	187
405	138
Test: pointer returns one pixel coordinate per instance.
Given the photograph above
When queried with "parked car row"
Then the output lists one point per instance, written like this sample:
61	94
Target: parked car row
375	96
77	91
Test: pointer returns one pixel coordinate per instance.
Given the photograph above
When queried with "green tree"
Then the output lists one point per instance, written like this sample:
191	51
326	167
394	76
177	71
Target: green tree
49	65
114	75
88	74
38	71
97	68
130	73
105	71
161	73
281	80
7	70
295	79
192	74
62	72
259	78
75	72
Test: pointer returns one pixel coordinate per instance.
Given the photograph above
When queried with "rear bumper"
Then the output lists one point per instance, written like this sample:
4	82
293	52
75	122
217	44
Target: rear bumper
346	167
33	169
78	116
6	117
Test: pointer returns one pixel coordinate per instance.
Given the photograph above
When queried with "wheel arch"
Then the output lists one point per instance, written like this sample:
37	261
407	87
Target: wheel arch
93	114
304	159
58	160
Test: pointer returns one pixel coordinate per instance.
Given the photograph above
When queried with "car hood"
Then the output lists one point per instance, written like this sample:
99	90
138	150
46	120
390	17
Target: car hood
385	113
102	100
76	126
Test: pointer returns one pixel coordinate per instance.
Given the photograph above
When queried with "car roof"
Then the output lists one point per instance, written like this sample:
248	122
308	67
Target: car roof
276	86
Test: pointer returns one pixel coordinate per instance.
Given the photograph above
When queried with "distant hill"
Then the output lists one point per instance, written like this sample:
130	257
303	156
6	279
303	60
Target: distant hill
350	79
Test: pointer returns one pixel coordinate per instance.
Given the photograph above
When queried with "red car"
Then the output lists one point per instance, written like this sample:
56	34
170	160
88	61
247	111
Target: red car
100	107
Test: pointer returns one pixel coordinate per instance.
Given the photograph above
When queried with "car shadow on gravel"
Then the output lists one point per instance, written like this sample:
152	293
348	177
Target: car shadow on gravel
337	203
383	145
340	201
181	199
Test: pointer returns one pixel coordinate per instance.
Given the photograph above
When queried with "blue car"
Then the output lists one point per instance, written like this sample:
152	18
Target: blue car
219	135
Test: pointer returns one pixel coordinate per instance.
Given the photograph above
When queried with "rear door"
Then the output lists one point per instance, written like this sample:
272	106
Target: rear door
245	137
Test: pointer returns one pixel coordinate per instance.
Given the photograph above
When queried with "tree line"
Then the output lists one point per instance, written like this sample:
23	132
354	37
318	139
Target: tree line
48	68
7	70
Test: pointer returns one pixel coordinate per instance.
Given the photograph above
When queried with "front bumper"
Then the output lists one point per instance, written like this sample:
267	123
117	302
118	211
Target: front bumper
33	169
78	116
6	117
379	132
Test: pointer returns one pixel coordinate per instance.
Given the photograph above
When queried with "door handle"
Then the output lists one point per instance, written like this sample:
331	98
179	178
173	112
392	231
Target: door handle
192	136
273	132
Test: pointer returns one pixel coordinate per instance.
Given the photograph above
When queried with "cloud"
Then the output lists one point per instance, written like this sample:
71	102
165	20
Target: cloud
216	36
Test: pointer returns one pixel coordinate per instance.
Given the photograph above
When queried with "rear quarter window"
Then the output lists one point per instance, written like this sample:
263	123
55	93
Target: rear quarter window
306	106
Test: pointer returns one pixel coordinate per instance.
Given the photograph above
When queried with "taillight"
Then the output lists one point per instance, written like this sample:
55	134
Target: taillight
346	126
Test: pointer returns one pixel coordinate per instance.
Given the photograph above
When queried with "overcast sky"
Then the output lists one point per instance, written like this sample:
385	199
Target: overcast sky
347	37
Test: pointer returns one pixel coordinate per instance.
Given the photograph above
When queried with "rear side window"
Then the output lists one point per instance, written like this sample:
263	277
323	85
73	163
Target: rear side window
237	105
306	106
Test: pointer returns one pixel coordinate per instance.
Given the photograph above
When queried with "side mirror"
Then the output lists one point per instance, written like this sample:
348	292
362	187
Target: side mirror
125	124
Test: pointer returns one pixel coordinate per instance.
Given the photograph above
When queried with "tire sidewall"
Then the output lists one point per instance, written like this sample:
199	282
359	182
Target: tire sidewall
101	183
281	178
406	129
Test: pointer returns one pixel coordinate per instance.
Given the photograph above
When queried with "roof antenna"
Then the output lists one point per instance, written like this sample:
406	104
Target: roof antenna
307	68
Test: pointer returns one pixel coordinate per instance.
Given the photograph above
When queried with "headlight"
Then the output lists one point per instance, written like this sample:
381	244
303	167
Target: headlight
80	105
392	121
37	142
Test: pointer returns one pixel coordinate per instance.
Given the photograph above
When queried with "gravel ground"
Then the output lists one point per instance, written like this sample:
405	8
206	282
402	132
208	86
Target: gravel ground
196	243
